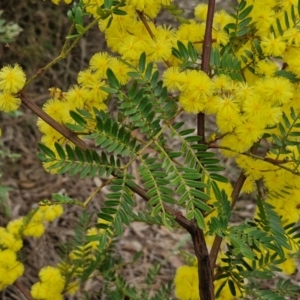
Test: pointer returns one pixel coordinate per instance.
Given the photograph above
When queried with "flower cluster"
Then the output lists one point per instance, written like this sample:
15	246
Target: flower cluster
186	283
12	80
50	286
10	268
11	240
249	110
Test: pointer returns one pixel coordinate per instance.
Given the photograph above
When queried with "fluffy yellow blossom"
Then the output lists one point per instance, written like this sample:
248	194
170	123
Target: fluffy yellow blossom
159	50
86	76
173	78
227	120
51	212
13	227
131	48
120	70
99	63
274	181
286	4
50	137
289	266
10	274
263	17
223	83
227	105
35	229
191	103
199	83
249	186
186	283
51	275
51	285
250	131
278	90
266	68
58	110
152	8
43	290
273	116
212	105
221	19
294	65
234	145
9	240
139	4
96	94
289	212
192	32
165	32
12	79
115	37
7	258
201	12
273	46
256	108
292	36
221	37
76	97
244	93
9	102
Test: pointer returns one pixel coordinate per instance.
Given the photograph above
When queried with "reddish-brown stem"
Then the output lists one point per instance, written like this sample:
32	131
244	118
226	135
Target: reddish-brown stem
205	272
206	49
207	44
23	290
206	288
68	134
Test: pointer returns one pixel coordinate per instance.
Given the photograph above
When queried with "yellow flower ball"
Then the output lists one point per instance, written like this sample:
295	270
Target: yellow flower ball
9	102
186	283
13	273
35	229
14	226
12	79
10	241
7	258
52	275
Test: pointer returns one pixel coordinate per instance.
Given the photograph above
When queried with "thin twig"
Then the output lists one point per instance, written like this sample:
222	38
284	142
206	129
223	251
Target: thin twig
97	190
206	49
64	52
